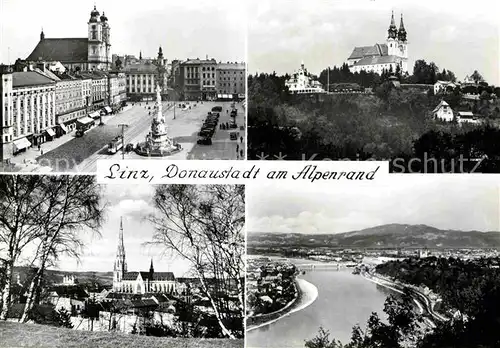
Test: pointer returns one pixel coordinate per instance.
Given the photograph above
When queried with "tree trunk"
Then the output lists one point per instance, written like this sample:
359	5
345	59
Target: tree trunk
6	290
223	327
35	282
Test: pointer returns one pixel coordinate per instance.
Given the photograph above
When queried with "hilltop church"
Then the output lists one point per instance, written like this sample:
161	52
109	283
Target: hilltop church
385	56
139	282
85	54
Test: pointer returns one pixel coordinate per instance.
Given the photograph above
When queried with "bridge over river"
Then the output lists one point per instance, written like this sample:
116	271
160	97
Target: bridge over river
325	266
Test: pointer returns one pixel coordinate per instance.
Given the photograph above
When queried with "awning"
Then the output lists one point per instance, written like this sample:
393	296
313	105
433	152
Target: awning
85	120
108	109
50	132
95	114
63	127
21	144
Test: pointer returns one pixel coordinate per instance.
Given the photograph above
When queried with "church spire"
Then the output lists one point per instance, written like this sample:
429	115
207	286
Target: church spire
140	55
393	31
151	268
402	30
120	263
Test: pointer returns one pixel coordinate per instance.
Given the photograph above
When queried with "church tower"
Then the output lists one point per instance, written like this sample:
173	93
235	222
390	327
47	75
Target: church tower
96	44
120	267
392	38
403	46
106	38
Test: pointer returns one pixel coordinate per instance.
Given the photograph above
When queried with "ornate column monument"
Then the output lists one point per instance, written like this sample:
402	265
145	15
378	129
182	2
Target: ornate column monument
158	143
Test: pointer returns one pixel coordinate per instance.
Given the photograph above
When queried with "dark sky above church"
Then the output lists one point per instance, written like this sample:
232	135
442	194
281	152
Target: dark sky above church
189	28
461	202
461	36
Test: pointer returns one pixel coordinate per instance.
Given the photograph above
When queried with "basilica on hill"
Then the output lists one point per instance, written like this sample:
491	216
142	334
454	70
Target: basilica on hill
139	282
386	56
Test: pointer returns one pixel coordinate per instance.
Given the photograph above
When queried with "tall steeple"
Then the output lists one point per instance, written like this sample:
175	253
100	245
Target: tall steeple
140	55
120	263
402	30
393	31
151	268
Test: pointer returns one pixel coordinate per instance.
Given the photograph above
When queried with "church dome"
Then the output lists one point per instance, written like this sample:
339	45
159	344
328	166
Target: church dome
104	18
94	15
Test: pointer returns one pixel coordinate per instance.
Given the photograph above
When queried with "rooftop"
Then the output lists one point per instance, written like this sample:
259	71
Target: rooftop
30	78
62	50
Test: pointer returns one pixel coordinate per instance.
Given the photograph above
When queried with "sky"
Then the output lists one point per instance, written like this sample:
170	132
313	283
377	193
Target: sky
461	36
184	29
461	202
134	204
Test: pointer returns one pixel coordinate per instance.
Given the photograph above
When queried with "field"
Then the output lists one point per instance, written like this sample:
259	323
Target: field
34	335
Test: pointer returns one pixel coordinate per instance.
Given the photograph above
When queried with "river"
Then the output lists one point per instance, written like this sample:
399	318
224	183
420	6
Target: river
343	300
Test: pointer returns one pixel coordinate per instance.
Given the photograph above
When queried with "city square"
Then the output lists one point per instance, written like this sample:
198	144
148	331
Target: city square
68	102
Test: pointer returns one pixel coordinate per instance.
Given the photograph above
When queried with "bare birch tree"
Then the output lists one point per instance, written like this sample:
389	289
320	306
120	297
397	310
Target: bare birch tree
204	225
71	204
20	199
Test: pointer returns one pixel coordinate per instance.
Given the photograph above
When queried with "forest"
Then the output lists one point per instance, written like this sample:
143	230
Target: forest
392	122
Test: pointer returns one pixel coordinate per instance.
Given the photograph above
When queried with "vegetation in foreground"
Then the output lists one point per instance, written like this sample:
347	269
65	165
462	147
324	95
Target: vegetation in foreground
471	288
390	123
35	335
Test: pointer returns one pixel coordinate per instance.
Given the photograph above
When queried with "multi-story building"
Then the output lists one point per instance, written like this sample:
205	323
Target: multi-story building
231	79
380	57
79	54
99	92
33	114
117	85
6	119
195	78
143	75
69	103
301	82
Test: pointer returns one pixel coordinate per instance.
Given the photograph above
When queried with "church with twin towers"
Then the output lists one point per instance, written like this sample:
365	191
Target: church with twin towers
138	282
389	56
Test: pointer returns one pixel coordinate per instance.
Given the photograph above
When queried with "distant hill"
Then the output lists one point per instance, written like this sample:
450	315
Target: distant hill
56	276
384	236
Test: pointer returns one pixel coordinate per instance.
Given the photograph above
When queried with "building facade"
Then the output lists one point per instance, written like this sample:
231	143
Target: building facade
6	118
78	54
33	114
139	282
117	92
382	57
302	83
143	75
231	78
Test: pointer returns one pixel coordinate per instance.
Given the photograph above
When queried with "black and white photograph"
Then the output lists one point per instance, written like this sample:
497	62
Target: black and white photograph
410	263
90	265
110	80
415	83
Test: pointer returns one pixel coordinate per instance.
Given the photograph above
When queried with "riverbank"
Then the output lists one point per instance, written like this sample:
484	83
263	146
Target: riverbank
306	295
424	307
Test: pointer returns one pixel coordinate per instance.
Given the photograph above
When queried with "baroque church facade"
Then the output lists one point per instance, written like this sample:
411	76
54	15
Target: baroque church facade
139	282
92	53
380	57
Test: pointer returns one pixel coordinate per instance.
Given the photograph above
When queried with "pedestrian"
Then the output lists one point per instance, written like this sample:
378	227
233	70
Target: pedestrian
38	147
41	152
241	153
237	147
241	139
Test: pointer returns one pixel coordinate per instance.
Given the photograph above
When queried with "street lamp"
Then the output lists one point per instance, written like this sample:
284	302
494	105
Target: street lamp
123	126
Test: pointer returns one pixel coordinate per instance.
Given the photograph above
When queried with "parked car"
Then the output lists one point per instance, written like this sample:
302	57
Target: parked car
233	135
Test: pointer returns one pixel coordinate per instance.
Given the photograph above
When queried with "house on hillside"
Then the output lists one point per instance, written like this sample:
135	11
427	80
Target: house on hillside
443	112
442	86
467	117
72	298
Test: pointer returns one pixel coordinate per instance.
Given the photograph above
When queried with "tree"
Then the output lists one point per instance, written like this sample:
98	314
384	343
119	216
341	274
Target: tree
20	199
71	204
204	225
322	340
477	77
64	318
